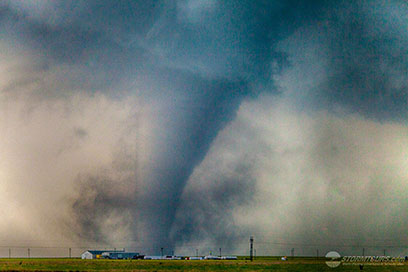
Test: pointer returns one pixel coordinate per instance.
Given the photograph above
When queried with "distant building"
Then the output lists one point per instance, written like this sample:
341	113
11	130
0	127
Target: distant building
229	258
212	257
120	255
194	258
92	254
153	257
109	254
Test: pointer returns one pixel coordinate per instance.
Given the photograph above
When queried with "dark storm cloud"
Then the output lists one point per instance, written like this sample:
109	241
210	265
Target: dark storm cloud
356	56
98	201
367	59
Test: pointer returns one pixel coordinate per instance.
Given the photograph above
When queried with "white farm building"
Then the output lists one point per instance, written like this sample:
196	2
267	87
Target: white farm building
92	254
109	254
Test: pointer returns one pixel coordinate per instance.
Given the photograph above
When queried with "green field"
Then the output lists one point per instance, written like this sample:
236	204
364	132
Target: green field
264	264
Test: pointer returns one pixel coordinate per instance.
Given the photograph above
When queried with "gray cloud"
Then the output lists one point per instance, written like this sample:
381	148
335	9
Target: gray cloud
309	179
48	171
326	154
121	111
353	58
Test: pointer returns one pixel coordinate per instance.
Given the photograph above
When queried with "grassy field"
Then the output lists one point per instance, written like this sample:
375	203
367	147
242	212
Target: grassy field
265	264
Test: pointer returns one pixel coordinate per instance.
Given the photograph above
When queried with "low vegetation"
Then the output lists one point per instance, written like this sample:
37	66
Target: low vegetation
261	264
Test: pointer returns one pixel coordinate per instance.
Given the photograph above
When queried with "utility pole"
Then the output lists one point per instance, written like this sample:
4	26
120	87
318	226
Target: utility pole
384	252
220	252
363	251
196	252
161	250
251	248
69	252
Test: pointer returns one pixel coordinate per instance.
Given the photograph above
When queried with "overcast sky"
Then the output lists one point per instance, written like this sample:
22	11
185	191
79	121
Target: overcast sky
195	124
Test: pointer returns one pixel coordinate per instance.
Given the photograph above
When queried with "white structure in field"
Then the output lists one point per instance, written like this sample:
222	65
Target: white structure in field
229	258
153	257
109	254
92	254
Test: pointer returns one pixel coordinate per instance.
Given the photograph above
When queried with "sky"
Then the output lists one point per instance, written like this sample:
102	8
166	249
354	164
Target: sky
196	124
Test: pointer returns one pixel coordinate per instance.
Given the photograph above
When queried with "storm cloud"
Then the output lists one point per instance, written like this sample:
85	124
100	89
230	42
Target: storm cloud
155	124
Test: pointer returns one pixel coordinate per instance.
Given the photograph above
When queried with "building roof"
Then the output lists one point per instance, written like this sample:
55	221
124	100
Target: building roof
99	252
